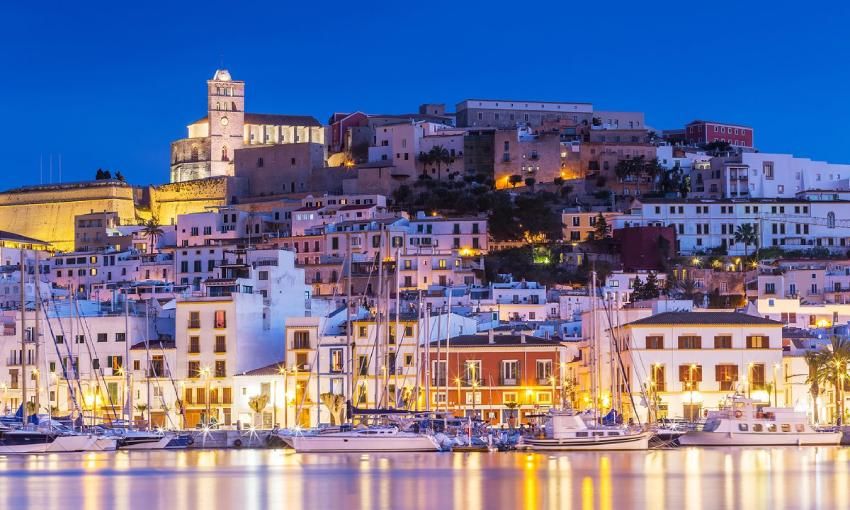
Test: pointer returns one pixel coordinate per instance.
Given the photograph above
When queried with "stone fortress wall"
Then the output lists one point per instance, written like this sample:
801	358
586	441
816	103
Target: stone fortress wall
47	212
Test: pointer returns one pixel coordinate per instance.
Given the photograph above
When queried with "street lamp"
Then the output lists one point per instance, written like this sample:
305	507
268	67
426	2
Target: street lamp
205	373
474	394
282	371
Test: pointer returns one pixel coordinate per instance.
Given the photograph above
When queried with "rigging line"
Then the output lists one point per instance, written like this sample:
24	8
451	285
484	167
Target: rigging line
622	367
67	343
357	374
98	373
61	363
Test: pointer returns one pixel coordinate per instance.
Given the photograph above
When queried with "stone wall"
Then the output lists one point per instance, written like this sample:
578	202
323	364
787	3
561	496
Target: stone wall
167	201
47	212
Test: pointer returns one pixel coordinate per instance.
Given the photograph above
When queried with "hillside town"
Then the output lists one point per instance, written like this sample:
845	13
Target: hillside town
492	260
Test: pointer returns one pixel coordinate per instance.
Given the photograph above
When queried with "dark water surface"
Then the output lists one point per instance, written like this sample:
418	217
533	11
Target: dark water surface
687	478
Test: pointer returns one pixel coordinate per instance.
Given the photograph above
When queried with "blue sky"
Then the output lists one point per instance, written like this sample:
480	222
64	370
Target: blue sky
107	85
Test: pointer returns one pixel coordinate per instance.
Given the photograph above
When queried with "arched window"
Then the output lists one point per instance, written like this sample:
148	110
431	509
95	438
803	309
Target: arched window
194	153
217	105
830	220
233	105
224	154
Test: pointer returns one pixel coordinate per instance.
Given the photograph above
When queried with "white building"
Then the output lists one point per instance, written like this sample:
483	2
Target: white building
687	362
704	224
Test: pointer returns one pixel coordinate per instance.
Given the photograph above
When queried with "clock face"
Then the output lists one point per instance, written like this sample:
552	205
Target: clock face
224	121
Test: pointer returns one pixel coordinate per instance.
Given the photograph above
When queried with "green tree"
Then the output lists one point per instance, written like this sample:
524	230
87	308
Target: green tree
258	402
98	176
815	381
119	176
601	229
746	233
637	289
831	365
651	289
438	155
530	181
152	231
514	180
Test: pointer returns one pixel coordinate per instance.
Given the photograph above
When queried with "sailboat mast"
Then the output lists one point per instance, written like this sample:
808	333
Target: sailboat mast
427	354
128	392
23	340
379	365
593	347
148	356
35	334
351	354
448	346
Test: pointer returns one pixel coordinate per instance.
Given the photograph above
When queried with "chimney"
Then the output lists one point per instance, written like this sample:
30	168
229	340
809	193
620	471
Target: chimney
490	336
522	336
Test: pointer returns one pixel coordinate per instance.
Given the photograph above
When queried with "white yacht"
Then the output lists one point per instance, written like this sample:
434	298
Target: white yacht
566	430
373	439
36	441
744	423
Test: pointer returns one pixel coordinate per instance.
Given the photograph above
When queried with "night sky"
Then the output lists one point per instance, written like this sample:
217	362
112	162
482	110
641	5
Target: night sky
111	85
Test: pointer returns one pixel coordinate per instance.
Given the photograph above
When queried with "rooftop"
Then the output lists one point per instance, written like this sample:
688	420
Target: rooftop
272	369
704	319
499	340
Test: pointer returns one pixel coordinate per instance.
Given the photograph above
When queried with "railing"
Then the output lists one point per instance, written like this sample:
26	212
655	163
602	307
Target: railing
507	381
300	344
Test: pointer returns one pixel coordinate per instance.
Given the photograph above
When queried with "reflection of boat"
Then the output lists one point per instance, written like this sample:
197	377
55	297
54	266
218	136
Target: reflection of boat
373	439
36	441
566	430
743	422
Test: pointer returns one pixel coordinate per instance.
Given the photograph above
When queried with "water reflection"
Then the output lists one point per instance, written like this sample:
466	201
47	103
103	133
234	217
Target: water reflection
255	479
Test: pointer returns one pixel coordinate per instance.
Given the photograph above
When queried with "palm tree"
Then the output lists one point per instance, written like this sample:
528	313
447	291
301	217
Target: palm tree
687	289
152	231
438	155
335	404
814	380
832	365
746	234
258	403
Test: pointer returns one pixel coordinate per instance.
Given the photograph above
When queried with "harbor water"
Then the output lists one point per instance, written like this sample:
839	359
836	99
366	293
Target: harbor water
683	478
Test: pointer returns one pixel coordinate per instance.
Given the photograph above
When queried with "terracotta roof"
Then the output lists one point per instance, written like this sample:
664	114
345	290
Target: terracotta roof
703	318
271	118
157	344
498	341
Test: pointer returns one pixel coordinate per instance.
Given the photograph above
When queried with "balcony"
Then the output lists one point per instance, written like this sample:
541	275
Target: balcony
507	381
301	344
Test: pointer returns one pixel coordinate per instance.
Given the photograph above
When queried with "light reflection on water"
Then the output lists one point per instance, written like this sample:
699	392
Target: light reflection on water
688	478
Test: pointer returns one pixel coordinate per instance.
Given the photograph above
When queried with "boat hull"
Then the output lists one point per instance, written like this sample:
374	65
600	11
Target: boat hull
627	442
104	444
143	443
332	443
698	438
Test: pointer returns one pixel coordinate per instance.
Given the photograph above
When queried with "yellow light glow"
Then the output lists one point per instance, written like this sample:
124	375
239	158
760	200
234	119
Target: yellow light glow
761	396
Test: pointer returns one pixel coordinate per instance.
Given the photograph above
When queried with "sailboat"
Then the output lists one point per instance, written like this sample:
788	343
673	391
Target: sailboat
566	429
369	439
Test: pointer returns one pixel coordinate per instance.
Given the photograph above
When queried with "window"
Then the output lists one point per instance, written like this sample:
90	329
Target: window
544	371
655	342
194	345
194	369
301	340
658	378
220	368
757	381
362	365
220	344
690	375
220	319
336	361
472	372
723	342
438	372
726	376
757	342
101	337
194	320
690	342
510	373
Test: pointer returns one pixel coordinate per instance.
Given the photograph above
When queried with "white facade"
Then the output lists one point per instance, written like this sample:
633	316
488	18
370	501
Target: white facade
696	360
703	224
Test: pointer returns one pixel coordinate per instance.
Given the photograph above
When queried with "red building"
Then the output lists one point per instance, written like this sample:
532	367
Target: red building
501	378
701	132
645	248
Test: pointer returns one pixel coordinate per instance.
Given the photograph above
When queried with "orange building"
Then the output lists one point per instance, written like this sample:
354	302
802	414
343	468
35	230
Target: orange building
501	378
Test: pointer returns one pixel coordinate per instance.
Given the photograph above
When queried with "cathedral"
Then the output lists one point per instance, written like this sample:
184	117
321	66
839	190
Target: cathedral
208	150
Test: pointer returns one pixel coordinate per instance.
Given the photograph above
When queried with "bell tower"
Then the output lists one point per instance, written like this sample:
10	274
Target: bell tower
226	115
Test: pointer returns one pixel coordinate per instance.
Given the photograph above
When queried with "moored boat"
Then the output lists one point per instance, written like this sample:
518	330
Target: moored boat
372	439
565	430
744	423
